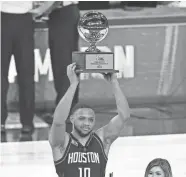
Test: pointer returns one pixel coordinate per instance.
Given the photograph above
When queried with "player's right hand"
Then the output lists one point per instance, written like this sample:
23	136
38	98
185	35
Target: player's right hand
73	77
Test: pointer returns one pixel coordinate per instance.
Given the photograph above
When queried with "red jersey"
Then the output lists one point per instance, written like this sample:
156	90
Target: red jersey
82	161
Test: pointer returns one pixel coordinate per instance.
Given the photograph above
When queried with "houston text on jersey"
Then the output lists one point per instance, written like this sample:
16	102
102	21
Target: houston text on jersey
82	157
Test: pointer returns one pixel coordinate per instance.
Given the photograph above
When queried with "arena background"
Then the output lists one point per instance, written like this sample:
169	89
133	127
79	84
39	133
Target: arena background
149	49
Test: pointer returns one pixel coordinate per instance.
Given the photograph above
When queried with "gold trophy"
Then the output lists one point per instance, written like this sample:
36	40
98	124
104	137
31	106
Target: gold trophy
93	28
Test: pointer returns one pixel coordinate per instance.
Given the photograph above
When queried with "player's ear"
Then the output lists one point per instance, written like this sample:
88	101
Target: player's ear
71	118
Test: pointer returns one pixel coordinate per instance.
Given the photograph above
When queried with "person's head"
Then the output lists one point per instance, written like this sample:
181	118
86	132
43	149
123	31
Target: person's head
158	168
83	119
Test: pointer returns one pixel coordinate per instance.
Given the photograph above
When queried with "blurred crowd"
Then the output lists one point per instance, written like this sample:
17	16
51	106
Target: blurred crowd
88	5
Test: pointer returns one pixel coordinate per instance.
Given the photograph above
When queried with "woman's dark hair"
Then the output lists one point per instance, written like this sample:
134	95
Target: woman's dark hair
163	164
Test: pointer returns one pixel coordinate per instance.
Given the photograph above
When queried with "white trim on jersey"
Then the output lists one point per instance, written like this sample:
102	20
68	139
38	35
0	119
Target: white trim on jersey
101	144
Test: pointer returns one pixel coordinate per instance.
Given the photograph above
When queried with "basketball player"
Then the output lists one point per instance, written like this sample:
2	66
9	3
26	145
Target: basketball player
83	152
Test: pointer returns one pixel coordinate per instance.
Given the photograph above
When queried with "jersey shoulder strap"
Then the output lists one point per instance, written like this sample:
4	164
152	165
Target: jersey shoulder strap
101	145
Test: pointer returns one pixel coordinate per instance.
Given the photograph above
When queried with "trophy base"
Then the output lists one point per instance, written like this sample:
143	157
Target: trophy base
93	62
97	71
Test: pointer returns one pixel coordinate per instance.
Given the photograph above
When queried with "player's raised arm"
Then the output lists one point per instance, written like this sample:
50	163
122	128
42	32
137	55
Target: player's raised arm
112	130
57	133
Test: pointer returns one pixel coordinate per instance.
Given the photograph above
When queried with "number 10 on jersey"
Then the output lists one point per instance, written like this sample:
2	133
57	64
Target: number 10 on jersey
84	172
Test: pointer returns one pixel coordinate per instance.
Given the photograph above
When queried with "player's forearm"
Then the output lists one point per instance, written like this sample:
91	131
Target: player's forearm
121	101
57	131
63	108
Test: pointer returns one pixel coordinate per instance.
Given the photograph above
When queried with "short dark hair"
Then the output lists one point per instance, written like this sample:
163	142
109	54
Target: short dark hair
79	106
163	163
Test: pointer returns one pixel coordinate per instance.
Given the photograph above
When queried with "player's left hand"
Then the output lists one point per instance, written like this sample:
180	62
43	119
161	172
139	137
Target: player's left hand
110	77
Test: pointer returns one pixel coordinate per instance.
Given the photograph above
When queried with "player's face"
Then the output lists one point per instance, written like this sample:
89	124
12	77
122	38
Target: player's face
84	120
156	171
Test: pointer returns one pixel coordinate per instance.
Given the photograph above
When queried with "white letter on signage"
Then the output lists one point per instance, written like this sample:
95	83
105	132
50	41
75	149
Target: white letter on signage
44	67
124	62
12	70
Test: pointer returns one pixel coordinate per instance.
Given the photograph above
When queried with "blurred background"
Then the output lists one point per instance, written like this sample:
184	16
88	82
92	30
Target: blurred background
148	40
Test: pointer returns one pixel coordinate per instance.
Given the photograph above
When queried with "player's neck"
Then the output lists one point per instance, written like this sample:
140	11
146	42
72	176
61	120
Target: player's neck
81	139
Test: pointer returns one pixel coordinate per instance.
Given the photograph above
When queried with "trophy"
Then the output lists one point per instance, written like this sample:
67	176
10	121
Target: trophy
93	28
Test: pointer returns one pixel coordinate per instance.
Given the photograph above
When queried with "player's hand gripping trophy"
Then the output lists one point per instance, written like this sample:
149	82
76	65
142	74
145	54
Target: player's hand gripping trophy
93	28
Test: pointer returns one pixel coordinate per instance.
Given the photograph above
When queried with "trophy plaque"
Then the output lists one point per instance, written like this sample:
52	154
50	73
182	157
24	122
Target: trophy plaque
93	28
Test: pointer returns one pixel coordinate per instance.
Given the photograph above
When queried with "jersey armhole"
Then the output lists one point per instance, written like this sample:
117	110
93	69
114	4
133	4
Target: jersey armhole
101	144
65	153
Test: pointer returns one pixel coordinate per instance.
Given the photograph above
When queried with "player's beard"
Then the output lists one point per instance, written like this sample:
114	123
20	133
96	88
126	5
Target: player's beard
80	132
